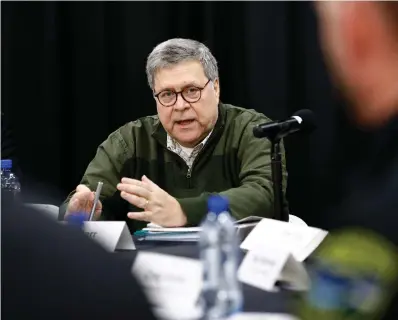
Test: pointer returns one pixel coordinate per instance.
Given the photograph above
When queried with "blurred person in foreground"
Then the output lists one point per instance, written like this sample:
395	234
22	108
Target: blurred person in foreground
162	168
53	271
355	270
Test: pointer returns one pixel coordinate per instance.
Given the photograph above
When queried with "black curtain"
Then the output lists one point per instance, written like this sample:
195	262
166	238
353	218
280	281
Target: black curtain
72	72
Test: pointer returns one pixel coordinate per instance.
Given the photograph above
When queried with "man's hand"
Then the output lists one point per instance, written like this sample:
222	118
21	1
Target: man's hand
82	202
159	207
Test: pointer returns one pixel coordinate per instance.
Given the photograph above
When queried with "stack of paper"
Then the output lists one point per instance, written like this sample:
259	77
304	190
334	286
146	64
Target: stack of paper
155	232
164	234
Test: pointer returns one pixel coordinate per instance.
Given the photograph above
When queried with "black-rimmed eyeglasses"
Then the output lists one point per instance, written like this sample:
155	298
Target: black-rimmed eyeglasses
190	94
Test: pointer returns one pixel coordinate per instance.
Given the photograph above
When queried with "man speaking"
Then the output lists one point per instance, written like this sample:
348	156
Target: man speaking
162	168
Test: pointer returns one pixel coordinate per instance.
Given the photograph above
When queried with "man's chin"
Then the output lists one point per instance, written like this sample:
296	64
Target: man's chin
363	113
371	118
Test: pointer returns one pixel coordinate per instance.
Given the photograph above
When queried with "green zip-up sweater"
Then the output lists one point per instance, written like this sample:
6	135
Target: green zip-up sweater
232	163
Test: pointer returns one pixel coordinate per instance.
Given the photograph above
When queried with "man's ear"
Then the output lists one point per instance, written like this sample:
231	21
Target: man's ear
357	39
216	85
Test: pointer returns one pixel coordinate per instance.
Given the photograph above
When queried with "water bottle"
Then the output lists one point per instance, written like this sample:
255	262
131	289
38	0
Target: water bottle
230	295
10	185
210	256
221	294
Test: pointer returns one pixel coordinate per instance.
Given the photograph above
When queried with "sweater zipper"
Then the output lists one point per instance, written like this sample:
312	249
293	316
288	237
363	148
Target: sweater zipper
189	177
189	172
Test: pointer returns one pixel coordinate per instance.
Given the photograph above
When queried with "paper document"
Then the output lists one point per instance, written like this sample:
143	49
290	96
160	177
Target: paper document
167	236
154	232
156	228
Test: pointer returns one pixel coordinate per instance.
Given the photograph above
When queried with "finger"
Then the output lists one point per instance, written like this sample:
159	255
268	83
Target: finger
82	202
131	181
77	205
82	188
149	181
134	200
142	216
98	210
134	189
84	198
78	201
136	182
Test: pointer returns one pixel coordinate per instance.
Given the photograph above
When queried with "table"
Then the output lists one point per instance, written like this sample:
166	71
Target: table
255	300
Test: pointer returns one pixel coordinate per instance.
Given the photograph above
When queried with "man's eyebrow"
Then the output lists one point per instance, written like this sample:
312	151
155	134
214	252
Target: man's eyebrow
188	84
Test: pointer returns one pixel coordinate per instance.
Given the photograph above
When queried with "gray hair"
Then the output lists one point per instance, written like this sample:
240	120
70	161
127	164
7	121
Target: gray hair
174	51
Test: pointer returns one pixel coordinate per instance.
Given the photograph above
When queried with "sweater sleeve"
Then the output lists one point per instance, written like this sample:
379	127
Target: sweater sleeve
106	166
254	196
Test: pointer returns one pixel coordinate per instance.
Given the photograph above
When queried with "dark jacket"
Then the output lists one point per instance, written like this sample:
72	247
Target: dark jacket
51	271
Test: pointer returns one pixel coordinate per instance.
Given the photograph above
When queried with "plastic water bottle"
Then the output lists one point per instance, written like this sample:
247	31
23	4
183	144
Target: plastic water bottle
230	293
221	294
210	256
10	185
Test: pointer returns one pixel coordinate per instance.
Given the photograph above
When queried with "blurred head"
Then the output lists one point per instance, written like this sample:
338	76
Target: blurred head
183	76
360	40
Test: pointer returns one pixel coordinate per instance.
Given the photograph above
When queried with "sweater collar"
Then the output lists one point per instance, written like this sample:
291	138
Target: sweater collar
160	134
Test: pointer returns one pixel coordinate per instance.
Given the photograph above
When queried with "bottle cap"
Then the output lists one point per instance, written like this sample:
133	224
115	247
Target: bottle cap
77	219
217	204
6	164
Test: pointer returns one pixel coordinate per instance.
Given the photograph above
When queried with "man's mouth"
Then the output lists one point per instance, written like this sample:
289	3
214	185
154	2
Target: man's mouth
185	122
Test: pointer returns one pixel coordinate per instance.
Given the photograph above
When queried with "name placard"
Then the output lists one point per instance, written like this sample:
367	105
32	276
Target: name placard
112	235
263	268
172	283
299	240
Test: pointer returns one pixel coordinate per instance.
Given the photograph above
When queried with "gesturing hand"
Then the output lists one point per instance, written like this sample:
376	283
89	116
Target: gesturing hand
159	207
82	202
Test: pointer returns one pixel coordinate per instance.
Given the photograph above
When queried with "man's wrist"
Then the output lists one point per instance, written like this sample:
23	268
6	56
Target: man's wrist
183	220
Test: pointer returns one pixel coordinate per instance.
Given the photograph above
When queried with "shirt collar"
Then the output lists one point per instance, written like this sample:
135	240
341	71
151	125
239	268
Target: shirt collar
171	142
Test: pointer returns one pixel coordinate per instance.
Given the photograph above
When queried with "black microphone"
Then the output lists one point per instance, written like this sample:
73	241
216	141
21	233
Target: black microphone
302	120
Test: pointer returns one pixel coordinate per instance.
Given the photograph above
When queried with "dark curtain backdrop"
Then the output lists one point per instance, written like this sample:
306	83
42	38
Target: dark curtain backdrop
72	72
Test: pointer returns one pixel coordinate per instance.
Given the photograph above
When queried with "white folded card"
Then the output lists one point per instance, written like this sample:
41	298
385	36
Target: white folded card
263	268
299	240
112	235
172	283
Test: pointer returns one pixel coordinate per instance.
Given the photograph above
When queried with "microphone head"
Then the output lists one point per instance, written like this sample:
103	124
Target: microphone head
257	132
308	123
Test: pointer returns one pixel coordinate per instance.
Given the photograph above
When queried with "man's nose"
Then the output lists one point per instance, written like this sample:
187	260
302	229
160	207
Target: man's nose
181	104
